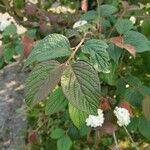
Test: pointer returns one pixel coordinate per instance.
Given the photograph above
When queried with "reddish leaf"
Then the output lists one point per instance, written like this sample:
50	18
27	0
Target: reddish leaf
31	9
118	41
127	106
27	45
105	104
33	137
84	5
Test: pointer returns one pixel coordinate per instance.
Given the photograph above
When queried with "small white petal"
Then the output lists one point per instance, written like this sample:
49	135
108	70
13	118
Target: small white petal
95	121
4	24
79	23
122	115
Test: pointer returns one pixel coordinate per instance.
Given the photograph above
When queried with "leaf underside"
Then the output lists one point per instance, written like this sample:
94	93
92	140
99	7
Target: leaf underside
42	80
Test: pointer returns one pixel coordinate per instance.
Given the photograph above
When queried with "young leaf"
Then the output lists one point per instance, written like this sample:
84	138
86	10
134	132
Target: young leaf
118	41
42	80
64	143
138	40
99	56
107	10
78	117
52	46
81	86
144	127
123	26
56	102
146	107
57	133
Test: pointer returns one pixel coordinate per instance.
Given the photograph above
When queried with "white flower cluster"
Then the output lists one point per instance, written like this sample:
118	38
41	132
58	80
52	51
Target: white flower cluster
4	24
79	23
95	121
122	115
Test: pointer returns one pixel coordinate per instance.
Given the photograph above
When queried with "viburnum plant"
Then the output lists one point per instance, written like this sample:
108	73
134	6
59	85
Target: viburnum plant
91	79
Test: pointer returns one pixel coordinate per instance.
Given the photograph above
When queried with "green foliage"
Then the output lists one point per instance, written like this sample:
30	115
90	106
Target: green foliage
10	30
78	117
107	10
99	57
51	47
89	16
57	133
8	54
56	102
114	53
64	143
146	107
71	74
138	40
123	26
144	127
81	86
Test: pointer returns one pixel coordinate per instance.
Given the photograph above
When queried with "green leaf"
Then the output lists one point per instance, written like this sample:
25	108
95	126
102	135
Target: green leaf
144	127
110	78
64	143
133	97
107	10
56	102
138	40
123	26
8	54
133	81
146	107
32	33
10	30
121	87
81	86
146	27
78	117
42	80
52	46
89	16
99	56
114	52
57	133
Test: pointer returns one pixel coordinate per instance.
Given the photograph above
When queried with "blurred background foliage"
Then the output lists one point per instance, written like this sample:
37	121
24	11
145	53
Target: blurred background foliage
42	17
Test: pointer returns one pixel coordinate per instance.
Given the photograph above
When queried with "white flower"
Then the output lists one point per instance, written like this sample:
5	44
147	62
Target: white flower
79	23
4	24
95	121
122	115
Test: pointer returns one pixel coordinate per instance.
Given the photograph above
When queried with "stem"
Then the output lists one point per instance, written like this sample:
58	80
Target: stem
115	140
76	48
99	15
115	23
131	139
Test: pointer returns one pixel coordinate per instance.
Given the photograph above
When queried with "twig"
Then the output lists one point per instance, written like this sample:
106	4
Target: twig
115	140
115	23
131	139
99	15
76	48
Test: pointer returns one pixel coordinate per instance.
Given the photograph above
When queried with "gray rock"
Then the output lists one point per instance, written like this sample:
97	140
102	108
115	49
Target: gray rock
12	108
